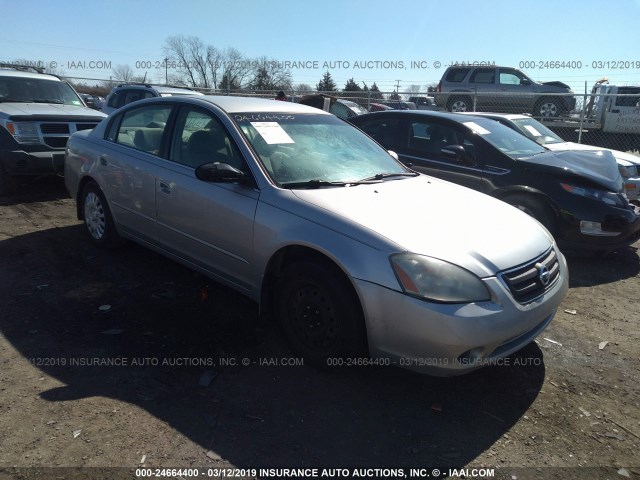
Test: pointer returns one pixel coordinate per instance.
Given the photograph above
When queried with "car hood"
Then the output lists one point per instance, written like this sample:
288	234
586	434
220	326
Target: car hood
26	111
432	217
623	158
598	166
557	84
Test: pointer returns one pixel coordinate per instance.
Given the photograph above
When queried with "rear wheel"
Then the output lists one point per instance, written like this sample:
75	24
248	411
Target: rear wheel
319	313
460	104
536	208
97	217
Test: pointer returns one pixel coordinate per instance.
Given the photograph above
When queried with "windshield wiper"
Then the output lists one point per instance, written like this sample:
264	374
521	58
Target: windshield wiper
380	176
317	183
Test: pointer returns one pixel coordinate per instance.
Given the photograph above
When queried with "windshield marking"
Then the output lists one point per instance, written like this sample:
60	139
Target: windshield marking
272	133
533	130
477	128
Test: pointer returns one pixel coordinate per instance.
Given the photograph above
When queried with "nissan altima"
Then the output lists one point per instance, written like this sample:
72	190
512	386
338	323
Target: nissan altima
356	255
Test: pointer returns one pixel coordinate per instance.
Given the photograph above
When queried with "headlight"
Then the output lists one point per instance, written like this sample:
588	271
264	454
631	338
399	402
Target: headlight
436	280
24	132
610	198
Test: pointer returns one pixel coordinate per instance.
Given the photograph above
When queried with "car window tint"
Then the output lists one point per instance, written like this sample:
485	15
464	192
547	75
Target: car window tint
509	77
116	100
142	128
428	139
385	132
200	137
457	74
483	75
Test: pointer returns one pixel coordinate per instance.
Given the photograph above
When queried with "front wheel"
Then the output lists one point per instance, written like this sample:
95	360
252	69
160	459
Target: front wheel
549	108
535	208
97	217
319	313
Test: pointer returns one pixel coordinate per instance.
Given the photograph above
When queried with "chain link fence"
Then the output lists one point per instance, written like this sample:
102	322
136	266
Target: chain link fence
605	116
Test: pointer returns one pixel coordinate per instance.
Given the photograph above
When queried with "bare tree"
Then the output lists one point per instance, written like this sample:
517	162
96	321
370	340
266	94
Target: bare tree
302	88
123	73
236	70
178	52
269	74
413	89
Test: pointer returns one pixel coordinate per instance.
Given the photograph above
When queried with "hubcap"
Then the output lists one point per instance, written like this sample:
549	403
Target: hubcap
313	317
459	106
548	110
94	217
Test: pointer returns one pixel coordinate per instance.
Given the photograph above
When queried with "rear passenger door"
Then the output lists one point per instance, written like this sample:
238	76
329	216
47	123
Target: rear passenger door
208	224
127	163
431	149
483	82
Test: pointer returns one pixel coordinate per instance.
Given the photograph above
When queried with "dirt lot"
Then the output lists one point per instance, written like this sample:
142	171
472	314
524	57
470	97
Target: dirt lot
567	406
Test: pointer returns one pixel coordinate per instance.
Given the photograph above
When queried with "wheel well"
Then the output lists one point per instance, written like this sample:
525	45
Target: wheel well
287	256
538	196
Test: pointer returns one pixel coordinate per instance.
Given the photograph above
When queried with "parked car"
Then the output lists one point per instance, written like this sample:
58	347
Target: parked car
424	103
501	89
38	113
306	215
87	99
577	196
337	106
400	105
378	107
131	92
536	131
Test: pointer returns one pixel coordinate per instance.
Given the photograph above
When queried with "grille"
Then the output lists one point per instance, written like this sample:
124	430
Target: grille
529	281
54	128
85	126
56	142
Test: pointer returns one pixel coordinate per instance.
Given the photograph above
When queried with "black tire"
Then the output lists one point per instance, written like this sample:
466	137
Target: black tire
8	183
319	314
536	208
460	104
549	107
98	221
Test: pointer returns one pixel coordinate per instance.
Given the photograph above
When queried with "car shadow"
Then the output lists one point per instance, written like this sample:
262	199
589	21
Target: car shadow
588	271
196	356
36	189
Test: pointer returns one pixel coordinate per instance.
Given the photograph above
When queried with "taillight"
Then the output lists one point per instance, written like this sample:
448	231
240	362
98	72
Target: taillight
440	86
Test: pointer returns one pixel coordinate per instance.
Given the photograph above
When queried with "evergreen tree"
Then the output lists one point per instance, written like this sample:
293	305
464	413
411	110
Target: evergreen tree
326	84
352	86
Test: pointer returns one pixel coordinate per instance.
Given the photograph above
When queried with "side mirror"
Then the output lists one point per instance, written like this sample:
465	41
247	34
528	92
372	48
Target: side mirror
457	153
525	81
219	173
393	154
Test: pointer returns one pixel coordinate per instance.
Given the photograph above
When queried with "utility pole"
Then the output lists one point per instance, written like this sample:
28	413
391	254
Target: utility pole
166	71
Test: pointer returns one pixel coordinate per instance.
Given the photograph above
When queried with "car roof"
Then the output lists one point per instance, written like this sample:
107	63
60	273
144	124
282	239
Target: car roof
10	72
456	117
231	104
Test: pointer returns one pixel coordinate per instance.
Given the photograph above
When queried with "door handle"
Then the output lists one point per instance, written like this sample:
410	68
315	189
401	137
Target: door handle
165	187
103	160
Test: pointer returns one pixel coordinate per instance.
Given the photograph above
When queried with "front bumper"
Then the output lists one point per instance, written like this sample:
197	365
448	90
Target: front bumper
20	162
452	339
618	227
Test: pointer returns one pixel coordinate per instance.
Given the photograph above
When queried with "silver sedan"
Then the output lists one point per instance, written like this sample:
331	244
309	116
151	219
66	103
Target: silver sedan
358	257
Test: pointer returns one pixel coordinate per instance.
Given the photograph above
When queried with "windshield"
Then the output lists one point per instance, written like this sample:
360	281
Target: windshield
508	141
28	90
537	131
309	148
